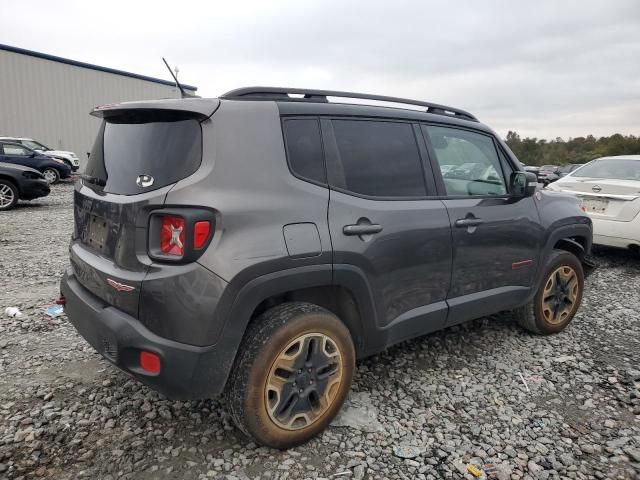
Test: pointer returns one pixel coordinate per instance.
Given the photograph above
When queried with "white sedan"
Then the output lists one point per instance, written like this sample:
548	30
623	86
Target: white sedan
609	188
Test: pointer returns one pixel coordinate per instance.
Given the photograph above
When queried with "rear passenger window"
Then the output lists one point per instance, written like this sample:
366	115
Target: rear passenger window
378	159
304	148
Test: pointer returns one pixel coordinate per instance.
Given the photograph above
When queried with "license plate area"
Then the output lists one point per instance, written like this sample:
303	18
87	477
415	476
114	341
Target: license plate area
109	349
96	233
595	205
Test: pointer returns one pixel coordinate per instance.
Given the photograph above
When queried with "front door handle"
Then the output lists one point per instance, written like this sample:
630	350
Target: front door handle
468	222
362	229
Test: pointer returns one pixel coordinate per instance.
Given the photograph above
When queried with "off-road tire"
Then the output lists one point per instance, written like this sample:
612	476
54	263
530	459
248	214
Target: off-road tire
247	392
531	317
10	189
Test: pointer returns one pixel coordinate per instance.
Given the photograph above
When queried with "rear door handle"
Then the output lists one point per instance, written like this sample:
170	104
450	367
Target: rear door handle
468	222
361	229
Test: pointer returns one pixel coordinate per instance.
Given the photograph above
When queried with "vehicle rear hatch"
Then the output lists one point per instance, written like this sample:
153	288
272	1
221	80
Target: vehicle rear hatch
141	151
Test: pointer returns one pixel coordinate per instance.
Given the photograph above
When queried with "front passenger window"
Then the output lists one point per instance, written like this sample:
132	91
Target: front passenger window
468	161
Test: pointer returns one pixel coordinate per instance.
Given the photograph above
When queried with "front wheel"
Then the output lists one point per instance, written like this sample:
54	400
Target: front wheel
558	296
8	195
292	375
51	175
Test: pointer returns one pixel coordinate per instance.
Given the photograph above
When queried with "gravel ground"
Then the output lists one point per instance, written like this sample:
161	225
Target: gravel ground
564	406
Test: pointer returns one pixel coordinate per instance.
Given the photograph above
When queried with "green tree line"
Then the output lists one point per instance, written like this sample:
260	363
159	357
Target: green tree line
533	151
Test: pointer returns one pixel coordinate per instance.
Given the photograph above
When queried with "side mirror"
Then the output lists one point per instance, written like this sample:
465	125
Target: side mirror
523	184
32	154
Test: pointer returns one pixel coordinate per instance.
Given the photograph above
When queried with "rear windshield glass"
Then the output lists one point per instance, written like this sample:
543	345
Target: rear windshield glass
618	168
136	155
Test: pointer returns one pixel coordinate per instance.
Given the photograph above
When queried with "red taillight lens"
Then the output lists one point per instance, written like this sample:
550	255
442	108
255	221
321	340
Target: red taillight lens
149	362
201	232
172	235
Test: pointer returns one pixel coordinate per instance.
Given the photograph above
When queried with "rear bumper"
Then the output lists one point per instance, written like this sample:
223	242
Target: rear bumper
616	234
187	371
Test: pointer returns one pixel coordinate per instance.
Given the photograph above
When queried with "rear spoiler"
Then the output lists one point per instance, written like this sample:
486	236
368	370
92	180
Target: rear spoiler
200	108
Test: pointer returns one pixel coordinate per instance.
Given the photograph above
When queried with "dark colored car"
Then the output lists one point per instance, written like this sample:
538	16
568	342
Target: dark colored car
548	174
20	183
52	168
256	244
70	158
531	169
567	169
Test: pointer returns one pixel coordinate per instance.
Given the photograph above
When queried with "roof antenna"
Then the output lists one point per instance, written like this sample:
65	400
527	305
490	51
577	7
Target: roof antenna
182	92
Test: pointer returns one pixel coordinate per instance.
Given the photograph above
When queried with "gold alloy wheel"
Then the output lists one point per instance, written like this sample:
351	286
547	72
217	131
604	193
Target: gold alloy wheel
560	294
303	381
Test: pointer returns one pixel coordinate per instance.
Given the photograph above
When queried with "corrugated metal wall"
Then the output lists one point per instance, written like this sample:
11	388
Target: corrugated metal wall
50	101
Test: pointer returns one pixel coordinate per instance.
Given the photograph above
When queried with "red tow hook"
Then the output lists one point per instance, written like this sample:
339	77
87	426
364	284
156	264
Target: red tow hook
61	300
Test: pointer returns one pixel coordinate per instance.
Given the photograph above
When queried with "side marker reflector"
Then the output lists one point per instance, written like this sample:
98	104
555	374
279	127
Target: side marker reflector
523	263
149	362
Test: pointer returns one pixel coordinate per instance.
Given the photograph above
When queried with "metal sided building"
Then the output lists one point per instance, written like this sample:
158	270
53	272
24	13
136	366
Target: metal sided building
49	98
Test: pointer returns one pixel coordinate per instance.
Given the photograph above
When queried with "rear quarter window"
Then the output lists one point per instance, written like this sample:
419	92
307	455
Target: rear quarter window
304	148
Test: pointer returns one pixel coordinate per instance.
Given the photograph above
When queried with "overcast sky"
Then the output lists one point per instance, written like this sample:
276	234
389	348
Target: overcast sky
542	68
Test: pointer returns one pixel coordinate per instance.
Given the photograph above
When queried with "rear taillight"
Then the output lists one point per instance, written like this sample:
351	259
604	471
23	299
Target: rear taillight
172	234
201	232
180	235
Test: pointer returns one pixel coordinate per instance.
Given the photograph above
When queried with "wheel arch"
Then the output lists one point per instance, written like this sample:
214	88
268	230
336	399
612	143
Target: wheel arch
574	238
343	290
12	180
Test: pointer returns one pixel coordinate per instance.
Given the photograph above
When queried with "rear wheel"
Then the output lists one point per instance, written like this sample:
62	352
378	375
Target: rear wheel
8	195
558	297
51	175
292	374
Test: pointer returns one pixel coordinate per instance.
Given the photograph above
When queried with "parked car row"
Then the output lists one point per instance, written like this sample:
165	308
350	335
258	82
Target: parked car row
70	158
25	173
548	174
53	169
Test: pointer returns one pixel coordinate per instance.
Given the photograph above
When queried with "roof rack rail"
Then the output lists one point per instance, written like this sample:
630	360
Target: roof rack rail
277	93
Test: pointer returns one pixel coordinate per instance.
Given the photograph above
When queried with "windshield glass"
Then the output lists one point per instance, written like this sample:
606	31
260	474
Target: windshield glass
34	145
616	168
167	150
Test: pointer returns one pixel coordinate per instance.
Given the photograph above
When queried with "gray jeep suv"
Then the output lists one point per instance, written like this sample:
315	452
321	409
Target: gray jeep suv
257	244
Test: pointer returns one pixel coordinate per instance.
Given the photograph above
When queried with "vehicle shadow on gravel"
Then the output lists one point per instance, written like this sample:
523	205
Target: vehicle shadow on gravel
613	257
30	205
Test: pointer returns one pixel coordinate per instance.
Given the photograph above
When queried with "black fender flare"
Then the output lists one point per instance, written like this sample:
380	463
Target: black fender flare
564	234
260	288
